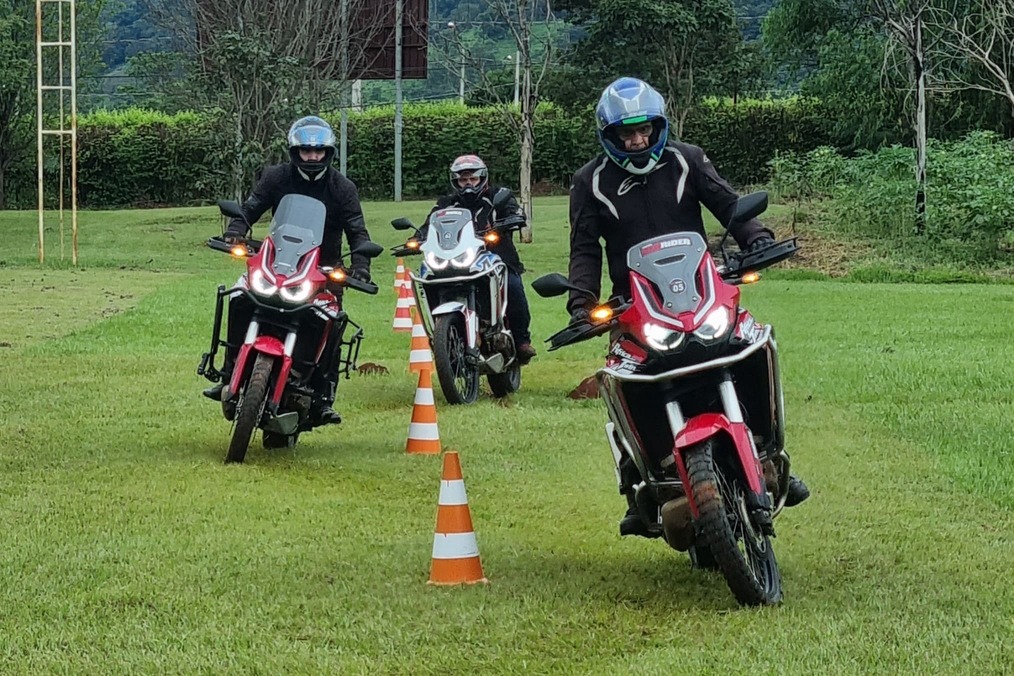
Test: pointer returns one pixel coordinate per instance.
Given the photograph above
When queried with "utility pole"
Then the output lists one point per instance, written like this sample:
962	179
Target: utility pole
399	8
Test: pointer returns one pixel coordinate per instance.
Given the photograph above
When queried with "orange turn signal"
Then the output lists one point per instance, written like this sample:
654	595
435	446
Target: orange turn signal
412	244
337	275
751	277
601	313
239	251
492	237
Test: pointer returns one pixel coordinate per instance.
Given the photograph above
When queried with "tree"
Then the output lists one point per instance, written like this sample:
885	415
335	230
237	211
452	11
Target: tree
684	48
531	24
975	50
17	72
263	62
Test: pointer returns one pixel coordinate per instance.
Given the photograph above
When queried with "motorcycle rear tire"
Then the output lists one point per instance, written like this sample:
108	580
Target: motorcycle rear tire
751	572
449	345
250	409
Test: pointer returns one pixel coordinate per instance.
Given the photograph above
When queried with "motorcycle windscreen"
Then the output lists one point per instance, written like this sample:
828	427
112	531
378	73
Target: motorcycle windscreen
450	233
297	228
670	262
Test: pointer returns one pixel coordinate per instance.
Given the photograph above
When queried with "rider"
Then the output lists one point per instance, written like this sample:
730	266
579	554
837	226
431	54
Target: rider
645	184
308	172
471	190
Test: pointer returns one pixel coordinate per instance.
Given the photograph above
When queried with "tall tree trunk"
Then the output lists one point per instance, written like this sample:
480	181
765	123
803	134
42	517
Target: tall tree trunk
528	104
918	58
3	194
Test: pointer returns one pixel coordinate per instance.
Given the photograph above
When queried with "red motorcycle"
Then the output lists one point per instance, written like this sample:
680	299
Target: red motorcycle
270	387
694	399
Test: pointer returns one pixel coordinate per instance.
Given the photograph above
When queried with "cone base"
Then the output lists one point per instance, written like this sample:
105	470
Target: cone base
457	571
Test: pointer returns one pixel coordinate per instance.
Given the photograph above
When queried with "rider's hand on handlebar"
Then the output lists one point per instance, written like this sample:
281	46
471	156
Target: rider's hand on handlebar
579	314
234	236
362	274
762	242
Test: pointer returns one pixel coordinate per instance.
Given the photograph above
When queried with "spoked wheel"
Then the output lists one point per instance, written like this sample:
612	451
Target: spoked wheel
458	379
250	408
742	553
502	384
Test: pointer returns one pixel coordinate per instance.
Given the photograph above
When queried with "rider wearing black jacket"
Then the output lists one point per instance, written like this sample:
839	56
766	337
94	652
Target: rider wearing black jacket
471	190
622	208
642	186
309	172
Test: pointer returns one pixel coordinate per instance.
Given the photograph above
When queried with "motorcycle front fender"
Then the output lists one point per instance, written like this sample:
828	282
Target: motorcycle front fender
470	317
704	426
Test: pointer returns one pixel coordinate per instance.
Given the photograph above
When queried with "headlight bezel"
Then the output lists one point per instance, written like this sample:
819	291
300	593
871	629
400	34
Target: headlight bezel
260	284
435	263
298	293
661	338
716	325
466	258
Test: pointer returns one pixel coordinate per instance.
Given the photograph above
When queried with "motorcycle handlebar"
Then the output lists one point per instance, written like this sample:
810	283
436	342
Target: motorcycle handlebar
360	285
251	246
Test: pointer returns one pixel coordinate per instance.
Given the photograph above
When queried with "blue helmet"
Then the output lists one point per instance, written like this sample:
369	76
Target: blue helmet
314	133
630	102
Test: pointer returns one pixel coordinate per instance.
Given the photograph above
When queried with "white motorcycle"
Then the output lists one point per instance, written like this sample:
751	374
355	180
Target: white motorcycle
461	291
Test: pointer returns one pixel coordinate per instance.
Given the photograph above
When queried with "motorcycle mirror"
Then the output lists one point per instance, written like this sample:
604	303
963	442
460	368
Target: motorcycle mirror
231	208
402	224
750	206
555	284
501	197
368	249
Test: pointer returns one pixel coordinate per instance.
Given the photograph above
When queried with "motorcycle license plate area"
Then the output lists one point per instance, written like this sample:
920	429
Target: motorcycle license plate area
671	263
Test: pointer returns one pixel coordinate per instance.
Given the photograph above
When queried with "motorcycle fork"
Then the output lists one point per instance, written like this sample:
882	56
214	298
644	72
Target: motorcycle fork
732	425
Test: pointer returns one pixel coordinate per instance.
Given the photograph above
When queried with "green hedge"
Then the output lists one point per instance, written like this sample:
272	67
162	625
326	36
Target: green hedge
145	158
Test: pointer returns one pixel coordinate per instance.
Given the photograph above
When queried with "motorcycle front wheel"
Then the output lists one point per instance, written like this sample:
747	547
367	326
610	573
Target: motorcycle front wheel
502	384
459	380
250	408
742	553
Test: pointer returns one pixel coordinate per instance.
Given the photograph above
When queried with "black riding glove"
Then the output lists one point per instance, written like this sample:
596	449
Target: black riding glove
579	314
762	242
235	234
362	274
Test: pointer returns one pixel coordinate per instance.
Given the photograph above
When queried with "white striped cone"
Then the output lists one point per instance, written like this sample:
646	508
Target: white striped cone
403	312
455	549
399	274
423	435
420	357
407	283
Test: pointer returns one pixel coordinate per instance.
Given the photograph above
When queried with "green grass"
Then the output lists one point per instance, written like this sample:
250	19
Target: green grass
129	547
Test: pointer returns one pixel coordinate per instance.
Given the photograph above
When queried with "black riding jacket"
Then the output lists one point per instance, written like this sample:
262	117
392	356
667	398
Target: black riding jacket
483	215
339	195
623	209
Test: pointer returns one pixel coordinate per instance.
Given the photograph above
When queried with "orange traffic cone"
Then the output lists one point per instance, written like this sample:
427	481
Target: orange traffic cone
455	551
407	283
420	358
423	435
399	273
403	311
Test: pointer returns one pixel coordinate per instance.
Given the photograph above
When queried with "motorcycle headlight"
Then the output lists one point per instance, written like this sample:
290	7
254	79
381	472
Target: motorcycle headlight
715	325
260	284
661	338
297	294
465	259
436	263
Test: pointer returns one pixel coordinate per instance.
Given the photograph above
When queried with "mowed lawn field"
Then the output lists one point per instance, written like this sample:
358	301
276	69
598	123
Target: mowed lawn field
128	546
